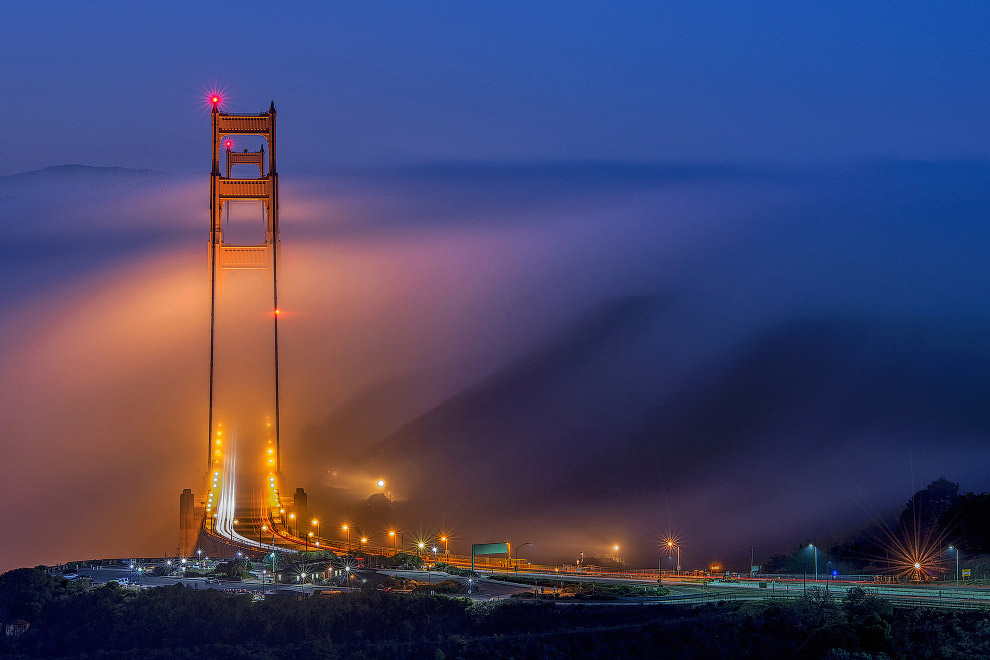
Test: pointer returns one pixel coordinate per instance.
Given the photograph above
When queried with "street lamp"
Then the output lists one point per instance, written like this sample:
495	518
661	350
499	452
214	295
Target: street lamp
348	530
308	537
812	545
446	552
292	517
672	545
420	545
317	523
264	528
395	550
516	563
957	563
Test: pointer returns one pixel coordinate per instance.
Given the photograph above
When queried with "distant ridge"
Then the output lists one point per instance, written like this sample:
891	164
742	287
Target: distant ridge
76	168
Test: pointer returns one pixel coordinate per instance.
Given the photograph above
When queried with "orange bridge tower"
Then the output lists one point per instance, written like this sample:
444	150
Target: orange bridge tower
225	255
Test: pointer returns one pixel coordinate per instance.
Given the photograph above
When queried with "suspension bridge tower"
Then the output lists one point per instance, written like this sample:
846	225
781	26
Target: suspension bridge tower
226	254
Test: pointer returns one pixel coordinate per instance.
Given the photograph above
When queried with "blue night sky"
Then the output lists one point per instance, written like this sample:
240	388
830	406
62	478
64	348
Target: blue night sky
118	83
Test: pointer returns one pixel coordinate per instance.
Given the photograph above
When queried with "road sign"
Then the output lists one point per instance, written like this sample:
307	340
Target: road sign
967	572
489	548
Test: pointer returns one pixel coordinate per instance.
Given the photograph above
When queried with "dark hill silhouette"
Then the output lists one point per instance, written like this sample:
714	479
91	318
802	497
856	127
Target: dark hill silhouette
598	413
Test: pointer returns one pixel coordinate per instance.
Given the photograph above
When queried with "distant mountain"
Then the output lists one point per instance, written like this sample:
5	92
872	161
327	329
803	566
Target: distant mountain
71	181
75	169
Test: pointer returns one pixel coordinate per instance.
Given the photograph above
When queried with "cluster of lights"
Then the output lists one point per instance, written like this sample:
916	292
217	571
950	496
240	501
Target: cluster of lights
213	490
275	500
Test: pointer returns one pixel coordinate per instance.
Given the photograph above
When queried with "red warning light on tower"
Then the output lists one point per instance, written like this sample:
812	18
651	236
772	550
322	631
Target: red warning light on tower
214	96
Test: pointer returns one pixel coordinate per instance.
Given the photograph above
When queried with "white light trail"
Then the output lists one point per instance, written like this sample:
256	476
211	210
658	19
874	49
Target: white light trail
226	507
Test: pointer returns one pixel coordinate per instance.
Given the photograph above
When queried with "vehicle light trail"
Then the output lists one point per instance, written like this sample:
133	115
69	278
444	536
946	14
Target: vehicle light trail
226	506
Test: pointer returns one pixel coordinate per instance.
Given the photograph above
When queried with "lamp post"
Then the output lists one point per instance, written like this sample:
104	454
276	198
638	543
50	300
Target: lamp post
395	549
446	551
347	529
812	545
317	523
516	563
957	562
264	528
295	527
308	537
672	545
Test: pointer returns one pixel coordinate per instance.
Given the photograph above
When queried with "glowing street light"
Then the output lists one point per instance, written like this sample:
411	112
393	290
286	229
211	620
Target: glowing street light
395	550
347	529
317	523
672	545
812	545
445	551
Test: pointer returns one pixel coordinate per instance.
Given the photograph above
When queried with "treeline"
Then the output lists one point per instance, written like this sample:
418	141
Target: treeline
114	623
936	517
